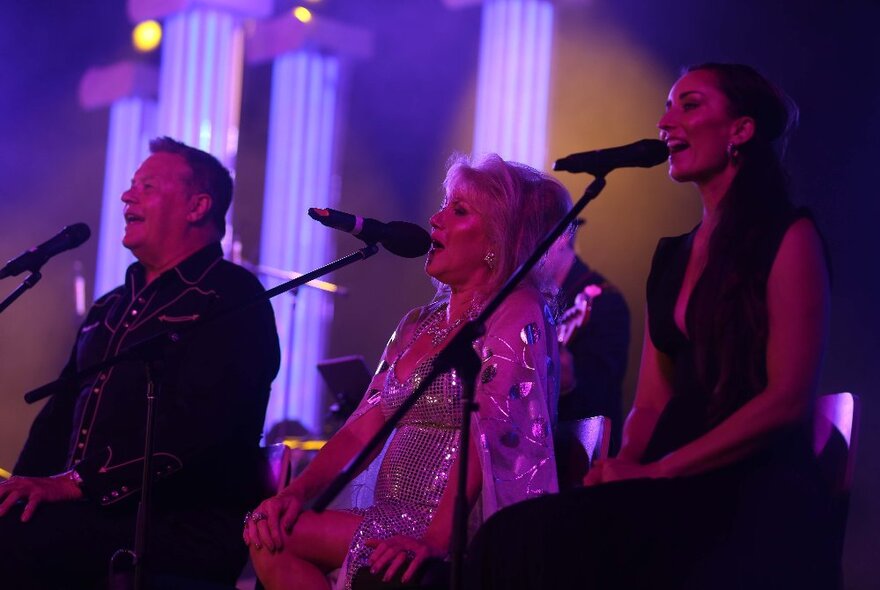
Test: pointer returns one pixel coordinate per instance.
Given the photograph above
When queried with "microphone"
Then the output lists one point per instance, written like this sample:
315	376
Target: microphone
642	154
399	237
68	238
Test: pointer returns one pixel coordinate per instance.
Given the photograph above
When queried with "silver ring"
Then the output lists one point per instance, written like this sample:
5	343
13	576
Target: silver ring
247	517
258	516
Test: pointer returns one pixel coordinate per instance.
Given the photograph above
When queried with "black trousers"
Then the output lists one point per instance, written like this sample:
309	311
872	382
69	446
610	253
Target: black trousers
712	531
68	546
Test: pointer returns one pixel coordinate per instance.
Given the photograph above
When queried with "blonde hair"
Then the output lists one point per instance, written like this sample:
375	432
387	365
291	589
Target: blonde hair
519	205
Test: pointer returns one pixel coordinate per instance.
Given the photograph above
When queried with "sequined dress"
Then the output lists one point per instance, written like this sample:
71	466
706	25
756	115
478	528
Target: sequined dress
516	390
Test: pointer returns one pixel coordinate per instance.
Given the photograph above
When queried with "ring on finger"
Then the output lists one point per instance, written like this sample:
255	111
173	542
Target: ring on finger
247	517
258	516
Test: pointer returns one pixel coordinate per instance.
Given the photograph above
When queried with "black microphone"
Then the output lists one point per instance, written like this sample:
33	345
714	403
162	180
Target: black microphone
68	238
399	237
642	154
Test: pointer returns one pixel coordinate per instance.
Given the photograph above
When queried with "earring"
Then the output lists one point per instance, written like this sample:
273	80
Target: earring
733	152
489	259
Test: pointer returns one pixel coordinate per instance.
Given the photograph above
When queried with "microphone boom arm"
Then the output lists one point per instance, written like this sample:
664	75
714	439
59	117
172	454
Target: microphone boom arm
458	353
150	347
31	280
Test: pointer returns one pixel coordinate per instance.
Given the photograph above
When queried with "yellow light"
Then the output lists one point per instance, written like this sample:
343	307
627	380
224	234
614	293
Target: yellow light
4	474
302	14
146	36
304	444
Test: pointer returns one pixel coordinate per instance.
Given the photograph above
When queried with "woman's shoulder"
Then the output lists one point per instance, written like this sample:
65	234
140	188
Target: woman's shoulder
421	312
800	244
417	315
408	323
525	305
802	228
525	298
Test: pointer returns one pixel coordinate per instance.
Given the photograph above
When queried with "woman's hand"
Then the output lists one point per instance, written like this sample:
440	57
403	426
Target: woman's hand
274	518
615	469
393	552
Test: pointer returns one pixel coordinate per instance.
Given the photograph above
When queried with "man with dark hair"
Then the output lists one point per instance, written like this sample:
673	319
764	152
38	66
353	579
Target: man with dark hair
73	497
593	358
207	175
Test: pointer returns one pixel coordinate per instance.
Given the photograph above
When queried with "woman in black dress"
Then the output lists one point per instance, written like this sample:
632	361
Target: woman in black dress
715	485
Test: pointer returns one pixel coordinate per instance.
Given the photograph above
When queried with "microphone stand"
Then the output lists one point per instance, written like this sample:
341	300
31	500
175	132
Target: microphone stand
151	351
31	280
128	567
460	355
145	348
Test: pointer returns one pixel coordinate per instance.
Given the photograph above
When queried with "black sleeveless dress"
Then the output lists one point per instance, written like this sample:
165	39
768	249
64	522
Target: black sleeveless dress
760	523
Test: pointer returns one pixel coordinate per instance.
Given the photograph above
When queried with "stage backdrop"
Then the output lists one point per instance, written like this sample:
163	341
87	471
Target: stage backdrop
412	105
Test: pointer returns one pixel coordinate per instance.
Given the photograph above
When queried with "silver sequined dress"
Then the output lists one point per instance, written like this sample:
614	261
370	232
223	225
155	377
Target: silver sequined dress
516	390
416	465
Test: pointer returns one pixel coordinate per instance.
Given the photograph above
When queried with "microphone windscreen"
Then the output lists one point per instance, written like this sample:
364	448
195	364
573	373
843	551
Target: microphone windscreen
406	239
78	233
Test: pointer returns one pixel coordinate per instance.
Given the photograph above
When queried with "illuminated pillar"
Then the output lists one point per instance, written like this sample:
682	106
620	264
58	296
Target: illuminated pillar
309	63
129	89
201	71
513	80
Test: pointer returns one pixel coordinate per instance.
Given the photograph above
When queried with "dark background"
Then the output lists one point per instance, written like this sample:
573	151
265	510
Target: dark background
411	105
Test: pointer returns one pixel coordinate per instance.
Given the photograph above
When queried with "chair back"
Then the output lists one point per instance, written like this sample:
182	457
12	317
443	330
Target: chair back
278	466
835	437
578	443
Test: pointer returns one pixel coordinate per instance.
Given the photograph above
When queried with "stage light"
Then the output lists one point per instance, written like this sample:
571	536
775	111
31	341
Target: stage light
302	14
304	444
146	36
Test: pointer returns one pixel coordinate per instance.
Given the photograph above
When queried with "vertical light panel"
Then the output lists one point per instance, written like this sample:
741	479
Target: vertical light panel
299	175
514	80
132	125
200	84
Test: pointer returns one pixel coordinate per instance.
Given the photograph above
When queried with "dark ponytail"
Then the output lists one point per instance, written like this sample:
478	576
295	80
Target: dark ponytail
731	339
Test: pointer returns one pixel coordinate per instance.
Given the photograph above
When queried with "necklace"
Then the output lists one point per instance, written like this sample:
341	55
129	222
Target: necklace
438	333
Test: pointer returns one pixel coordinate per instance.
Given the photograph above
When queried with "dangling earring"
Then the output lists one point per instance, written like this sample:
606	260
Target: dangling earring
733	152
489	259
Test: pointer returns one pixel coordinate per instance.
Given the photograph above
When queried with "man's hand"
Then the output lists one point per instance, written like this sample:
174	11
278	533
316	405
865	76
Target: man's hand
36	490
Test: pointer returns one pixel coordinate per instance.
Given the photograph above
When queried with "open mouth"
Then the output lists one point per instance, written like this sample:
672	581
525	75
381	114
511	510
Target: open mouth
132	218
436	245
675	146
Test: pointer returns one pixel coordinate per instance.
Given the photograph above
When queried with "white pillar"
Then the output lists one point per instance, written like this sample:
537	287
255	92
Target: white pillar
201	72
129	89
309	61
513	81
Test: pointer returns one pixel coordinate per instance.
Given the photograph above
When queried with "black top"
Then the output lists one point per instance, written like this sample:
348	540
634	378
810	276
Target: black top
689	413
683	419
760	523
215	387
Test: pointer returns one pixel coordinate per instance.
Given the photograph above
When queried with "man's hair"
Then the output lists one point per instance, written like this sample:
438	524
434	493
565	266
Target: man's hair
207	175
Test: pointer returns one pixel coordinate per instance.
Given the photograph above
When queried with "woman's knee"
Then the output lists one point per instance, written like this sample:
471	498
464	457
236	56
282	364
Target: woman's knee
322	539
